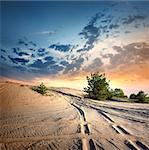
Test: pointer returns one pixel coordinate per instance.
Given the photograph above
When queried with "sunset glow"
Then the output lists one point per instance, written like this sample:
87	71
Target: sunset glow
61	46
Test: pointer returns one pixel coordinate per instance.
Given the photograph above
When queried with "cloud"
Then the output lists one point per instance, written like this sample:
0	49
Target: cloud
61	47
42	52
94	66
32	43
19	53
3	50
101	44
65	63
134	53
18	60
3	58
90	33
25	42
48	67
74	66
31	49
50	32
132	18
110	23
45	66
22	42
39	64
48	58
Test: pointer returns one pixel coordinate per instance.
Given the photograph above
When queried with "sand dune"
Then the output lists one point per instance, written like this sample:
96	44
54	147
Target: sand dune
64	120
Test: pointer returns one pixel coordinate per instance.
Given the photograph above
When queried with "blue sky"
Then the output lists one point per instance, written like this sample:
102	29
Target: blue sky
66	19
72	39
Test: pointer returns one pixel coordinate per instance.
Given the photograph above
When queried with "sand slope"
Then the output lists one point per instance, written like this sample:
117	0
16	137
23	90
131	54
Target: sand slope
27	118
64	120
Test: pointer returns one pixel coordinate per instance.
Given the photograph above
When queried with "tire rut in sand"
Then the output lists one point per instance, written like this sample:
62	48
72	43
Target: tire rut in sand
106	117
142	145
87	144
132	145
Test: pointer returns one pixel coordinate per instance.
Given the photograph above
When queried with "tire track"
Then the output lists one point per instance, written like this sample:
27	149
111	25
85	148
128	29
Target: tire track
142	145
132	145
87	143
84	126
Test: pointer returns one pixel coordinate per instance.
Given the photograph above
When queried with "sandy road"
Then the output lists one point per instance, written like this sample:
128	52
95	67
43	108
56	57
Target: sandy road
114	125
67	121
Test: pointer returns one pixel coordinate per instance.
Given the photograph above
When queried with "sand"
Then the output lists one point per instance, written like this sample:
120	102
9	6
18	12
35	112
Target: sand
64	120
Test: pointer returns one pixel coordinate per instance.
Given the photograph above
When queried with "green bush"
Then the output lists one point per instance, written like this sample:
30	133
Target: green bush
98	87
140	97
132	96
42	89
118	93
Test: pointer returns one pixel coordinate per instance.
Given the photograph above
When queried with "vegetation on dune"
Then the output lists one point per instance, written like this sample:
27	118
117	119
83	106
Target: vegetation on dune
42	89
117	93
140	97
98	88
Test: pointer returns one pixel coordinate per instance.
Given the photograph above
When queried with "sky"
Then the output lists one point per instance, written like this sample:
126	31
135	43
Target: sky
60	43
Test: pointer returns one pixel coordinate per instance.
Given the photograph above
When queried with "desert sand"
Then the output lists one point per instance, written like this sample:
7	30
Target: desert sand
64	120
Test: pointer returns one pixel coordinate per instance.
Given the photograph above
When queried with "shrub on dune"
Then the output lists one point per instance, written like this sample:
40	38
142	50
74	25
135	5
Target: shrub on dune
98	87
140	97
42	89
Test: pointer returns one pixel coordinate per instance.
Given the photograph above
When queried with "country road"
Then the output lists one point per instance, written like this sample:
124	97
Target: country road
64	120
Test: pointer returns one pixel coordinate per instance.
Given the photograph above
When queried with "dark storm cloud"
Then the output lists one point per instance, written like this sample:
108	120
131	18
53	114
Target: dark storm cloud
61	47
135	53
